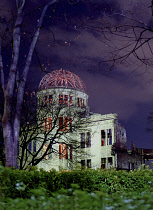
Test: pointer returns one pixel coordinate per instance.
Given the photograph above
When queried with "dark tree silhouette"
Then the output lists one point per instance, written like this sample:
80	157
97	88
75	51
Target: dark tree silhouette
13	90
37	139
128	36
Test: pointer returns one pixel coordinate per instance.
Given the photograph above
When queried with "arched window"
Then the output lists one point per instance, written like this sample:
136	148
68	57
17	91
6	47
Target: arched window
46	101
30	146
50	123
66	99
70	100
89	163
78	102
50	99
60	151
34	146
109	136
88	139
66	152
82	140
81	102
70	123
60	99
66	124
103	138
45	124
103	163
60	123
71	146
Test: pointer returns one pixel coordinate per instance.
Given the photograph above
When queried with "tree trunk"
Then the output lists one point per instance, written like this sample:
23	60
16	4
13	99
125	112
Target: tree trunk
8	132
12	115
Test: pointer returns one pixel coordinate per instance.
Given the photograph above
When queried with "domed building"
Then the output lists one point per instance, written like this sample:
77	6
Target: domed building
66	87
70	135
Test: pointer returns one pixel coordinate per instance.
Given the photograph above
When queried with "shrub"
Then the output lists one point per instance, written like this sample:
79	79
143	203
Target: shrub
17	184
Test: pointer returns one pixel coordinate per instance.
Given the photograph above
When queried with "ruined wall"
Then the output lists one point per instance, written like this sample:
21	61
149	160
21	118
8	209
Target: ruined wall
135	158
122	160
120	137
121	147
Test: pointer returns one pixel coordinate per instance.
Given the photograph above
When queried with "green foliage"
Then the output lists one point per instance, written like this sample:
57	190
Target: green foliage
23	184
81	200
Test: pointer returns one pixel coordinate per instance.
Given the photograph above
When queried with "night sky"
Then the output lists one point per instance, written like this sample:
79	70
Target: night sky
71	39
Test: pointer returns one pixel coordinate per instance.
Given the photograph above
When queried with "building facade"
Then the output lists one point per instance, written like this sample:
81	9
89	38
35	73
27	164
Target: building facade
70	135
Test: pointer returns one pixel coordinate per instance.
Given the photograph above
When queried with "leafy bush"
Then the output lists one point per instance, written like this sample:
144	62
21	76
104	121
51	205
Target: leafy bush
75	198
19	184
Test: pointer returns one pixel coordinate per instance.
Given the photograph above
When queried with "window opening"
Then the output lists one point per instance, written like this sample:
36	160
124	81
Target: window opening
109	136
60	123
71	146
66	124
70	100
132	164
82	163
34	146
102	142
70	122
82	140
50	99
50	123
88	139
46	100
81	102
30	146
89	163
66	151
103	162
110	160
103	134
60	151
45	125
78	102
66	99
102	138
60	99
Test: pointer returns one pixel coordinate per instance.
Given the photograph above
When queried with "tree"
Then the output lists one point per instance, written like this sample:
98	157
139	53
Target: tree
48	135
2	155
127	35
14	88
11	121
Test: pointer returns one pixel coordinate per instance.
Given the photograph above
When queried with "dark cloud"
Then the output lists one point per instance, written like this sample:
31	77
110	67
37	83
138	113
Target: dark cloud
64	42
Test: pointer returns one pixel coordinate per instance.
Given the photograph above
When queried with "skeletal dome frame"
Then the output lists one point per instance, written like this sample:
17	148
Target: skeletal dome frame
61	78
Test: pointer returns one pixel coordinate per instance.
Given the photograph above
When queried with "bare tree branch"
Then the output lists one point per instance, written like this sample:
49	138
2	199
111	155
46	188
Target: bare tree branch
4	22
15	53
1	67
29	58
20	4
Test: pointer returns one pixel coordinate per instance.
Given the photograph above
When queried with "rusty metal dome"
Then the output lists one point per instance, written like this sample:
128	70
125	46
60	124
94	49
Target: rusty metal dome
61	78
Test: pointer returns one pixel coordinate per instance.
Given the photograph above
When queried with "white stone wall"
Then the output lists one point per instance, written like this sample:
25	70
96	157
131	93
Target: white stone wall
94	124
96	152
63	91
97	123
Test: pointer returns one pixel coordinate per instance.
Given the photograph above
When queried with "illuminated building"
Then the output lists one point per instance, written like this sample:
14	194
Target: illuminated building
100	140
